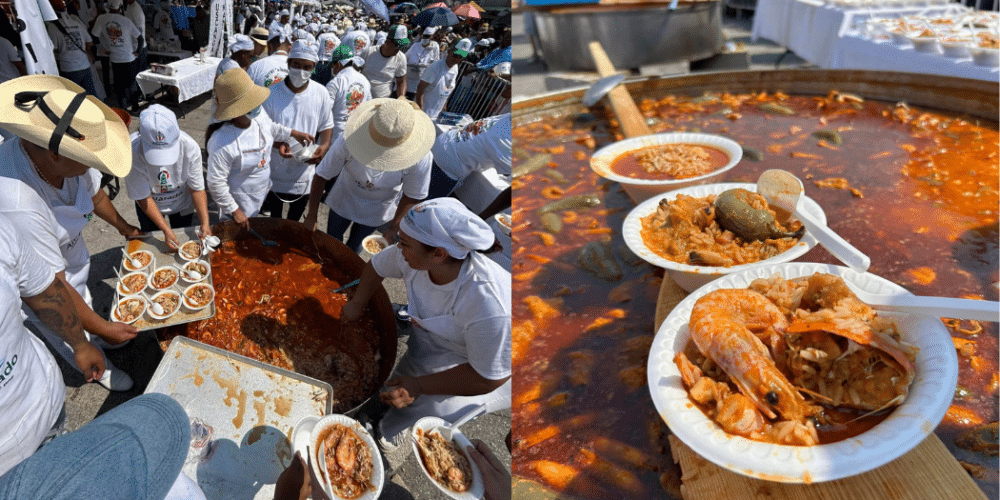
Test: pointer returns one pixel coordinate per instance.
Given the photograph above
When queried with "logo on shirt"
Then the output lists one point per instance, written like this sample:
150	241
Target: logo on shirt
114	31
359	44
273	78
164	179
355	96
7	368
328	46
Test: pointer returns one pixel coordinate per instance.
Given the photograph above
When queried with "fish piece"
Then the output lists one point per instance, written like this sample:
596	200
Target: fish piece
831	136
597	259
734	212
776	109
534	163
752	154
552	222
571	203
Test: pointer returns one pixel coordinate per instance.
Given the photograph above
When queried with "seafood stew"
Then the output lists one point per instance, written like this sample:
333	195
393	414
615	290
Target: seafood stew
700	232
191	250
164	277
198	267
169	300
198	296
348	461
915	189
444	461
796	362
670	161
129	309
133	283
373	246
143	256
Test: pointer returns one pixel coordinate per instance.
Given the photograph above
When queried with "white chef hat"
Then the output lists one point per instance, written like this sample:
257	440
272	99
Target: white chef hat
240	42
284	12
283	35
447	223
302	49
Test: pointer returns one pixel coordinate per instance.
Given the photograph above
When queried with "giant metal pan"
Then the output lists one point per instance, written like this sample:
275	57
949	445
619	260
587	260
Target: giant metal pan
333	253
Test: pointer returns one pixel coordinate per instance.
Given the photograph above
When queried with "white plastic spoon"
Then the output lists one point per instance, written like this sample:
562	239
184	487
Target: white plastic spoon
782	189
321	458
133	262
156	308
939	307
191	275
447	431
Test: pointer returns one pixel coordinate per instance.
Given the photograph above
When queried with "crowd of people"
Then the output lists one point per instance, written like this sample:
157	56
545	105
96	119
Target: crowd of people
326	108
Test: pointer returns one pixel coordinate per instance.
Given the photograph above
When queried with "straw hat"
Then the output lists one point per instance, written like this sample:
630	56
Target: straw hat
31	106
236	94
388	134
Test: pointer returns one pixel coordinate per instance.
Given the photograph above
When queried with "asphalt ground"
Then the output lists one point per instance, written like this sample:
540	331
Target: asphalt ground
140	357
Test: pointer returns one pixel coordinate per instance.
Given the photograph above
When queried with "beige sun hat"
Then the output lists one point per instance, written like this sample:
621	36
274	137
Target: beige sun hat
236	94
389	134
32	107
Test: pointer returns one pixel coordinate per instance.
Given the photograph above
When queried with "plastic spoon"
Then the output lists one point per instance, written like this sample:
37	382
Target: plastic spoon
447	431
782	189
133	262
940	307
321	458
156	308
191	275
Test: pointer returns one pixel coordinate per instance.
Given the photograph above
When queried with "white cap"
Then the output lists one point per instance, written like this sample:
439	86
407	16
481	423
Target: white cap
159	135
430	30
482	43
240	42
284	12
278	32
463	47
502	68
302	49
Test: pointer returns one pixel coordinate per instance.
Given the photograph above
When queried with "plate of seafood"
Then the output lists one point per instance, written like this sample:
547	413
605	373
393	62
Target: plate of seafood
780	373
445	462
685	232
353	466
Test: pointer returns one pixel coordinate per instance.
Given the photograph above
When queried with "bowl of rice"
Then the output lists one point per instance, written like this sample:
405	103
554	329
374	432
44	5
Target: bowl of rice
665	162
691	276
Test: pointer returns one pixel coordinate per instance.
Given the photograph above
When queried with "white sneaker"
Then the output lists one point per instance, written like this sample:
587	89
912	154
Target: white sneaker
395	443
115	380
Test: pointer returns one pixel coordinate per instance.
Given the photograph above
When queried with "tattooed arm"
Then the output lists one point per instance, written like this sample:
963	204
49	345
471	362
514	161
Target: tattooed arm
113	333
55	308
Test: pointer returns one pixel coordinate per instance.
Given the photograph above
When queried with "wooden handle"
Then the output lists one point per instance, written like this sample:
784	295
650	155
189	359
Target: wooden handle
631	121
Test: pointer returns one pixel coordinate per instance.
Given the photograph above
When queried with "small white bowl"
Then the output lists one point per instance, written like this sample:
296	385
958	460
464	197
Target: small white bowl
193	307
929	397
190	244
691	277
903	38
504	221
152	276
204	275
956	48
136	255
371	243
166	314
122	291
642	189
378	473
985	57
476	489
123	300
926	44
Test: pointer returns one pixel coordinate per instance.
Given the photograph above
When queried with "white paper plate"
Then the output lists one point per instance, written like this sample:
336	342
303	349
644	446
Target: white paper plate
930	394
476	490
378	473
691	277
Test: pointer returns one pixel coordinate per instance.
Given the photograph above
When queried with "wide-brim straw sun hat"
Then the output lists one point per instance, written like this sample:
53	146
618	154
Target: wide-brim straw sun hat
236	94
56	114
389	134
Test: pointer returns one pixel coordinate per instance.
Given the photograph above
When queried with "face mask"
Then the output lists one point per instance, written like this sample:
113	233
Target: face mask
253	114
425	42
299	77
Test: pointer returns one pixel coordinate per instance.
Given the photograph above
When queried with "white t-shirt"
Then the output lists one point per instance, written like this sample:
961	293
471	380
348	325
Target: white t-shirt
383	71
368	196
440	83
164	25
480	145
269	70
36	46
478	301
87	11
8	56
418	58
73	207
68	48
358	41
135	14
34	221
31	385
347	90
327	42
118	35
309	111
170	186
239	172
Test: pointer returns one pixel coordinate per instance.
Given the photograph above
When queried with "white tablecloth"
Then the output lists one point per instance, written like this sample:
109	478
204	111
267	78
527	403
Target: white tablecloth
811	28
191	77
855	52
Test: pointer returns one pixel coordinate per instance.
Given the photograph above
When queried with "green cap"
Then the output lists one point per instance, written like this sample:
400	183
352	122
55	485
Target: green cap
342	53
398	34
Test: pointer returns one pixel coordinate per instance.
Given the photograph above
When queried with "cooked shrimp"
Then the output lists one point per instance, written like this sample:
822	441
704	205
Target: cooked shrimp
721	327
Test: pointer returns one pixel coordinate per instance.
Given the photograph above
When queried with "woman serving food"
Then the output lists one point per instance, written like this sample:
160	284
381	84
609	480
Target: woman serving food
458	356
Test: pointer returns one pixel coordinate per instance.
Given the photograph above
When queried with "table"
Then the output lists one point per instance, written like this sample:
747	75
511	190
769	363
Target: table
811	28
183	54
856	52
191	77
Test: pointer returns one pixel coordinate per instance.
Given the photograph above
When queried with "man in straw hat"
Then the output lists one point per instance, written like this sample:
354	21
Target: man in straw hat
458	354
386	64
259	37
300	104
348	88
382	164
437	83
273	68
65	139
239	146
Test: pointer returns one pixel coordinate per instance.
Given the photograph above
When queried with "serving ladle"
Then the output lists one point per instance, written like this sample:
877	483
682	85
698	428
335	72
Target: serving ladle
267	243
784	190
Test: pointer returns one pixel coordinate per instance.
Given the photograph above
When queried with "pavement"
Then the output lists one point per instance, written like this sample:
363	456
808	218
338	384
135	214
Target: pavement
140	357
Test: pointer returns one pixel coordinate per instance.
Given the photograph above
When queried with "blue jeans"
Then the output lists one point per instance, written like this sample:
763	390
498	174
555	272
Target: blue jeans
81	78
133	451
336	226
